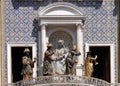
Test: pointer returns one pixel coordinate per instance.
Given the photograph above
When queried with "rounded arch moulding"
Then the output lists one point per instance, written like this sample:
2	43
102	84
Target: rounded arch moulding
61	13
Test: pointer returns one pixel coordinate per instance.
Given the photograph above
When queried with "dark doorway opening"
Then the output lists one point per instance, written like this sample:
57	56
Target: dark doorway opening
16	54
102	70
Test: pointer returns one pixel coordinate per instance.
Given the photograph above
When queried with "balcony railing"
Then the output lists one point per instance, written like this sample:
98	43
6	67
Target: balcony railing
63	80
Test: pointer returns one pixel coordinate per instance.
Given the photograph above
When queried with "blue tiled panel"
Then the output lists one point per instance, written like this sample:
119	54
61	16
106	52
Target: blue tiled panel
19	24
100	25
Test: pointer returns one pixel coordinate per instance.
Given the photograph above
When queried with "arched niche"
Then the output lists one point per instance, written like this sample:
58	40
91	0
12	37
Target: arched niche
55	36
61	15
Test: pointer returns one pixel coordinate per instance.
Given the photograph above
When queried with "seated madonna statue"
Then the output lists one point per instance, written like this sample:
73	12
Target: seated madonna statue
60	55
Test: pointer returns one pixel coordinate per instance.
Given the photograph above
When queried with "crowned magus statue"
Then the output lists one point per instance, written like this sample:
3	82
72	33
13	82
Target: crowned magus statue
28	65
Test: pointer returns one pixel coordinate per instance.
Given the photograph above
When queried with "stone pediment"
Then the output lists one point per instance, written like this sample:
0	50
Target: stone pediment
61	12
60	8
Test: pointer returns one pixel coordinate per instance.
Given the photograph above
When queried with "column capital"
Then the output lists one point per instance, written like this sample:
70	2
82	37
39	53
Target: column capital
44	24
79	26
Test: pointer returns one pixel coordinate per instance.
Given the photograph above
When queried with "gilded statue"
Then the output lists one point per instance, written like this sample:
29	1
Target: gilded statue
89	63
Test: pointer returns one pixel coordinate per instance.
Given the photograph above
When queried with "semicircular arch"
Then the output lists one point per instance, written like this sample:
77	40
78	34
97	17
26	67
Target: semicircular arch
61	8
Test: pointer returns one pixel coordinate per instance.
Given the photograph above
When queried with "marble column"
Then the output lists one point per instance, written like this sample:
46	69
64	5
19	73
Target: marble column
39	47
79	30
43	42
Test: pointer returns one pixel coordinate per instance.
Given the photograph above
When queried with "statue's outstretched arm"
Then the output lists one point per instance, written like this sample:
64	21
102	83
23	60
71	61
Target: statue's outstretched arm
92	58
95	57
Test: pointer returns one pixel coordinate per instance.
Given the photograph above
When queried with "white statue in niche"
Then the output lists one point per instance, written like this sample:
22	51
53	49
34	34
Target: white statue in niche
60	55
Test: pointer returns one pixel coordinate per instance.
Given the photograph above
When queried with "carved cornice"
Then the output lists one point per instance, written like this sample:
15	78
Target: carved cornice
61	19
75	17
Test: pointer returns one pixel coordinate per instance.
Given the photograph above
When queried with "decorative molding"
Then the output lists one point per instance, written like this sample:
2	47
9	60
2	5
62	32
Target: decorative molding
61	19
66	14
69	8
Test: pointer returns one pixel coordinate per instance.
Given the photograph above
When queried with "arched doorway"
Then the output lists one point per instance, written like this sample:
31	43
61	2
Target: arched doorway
61	35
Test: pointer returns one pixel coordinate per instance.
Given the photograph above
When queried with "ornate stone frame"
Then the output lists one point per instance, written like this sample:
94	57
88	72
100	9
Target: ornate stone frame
68	14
